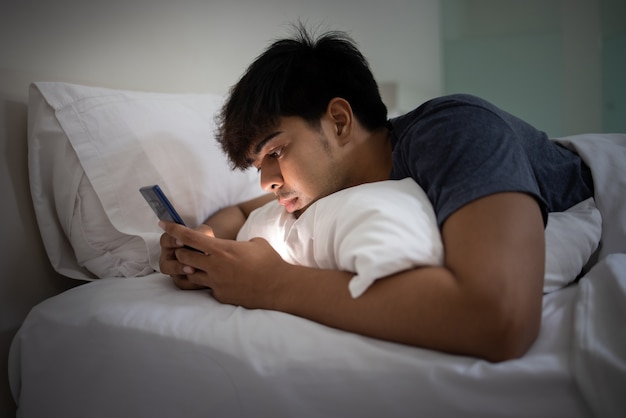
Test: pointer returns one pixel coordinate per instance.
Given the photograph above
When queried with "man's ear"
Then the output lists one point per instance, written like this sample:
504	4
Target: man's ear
340	113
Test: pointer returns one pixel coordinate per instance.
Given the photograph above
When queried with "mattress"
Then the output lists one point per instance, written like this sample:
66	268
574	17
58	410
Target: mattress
141	347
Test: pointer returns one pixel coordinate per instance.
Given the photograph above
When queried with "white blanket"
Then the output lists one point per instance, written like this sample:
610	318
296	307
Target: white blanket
599	344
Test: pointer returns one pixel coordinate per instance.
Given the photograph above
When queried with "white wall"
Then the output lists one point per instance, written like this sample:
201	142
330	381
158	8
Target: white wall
206	45
169	46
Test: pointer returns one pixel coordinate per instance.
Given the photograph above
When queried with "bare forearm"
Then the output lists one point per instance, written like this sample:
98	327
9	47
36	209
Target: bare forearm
424	307
227	222
415	308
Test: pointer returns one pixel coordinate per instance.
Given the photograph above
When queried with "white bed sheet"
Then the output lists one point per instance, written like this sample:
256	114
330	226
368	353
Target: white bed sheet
140	347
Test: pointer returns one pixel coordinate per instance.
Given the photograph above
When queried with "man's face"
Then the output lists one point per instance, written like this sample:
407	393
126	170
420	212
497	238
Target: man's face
299	163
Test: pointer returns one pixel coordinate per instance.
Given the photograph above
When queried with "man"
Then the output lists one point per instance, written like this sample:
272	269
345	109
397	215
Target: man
307	113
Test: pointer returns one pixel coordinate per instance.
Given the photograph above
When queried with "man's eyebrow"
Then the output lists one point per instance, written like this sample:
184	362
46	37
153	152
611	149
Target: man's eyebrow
259	146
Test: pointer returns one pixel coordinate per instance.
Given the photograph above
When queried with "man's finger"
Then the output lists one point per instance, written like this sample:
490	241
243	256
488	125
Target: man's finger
168	241
191	260
182	282
192	238
172	267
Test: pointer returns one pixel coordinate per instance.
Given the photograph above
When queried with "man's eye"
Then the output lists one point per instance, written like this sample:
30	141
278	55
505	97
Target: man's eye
275	153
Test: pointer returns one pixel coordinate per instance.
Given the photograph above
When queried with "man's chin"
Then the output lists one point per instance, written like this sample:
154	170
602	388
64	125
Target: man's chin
300	211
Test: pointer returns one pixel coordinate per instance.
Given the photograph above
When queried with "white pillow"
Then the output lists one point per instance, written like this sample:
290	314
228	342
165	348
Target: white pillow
378	229
91	149
572	237
372	230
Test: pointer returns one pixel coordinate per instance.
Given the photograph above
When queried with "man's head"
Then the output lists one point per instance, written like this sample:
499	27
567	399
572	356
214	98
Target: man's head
298	77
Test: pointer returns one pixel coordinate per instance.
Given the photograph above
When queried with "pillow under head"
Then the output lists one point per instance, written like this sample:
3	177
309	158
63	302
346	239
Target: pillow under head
91	149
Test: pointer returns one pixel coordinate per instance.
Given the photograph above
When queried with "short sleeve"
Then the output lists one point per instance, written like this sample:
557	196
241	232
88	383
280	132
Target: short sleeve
459	151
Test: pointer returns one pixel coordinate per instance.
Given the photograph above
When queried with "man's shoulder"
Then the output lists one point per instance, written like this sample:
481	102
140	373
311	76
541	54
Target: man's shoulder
444	115
442	103
457	99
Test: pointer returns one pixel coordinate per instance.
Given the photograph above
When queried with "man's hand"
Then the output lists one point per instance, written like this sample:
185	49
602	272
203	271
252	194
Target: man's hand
238	273
169	264
226	222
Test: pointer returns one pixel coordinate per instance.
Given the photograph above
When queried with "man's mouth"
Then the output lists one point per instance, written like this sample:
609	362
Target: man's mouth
290	204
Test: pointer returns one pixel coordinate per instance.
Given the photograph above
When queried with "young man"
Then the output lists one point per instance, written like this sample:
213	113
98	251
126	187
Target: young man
307	113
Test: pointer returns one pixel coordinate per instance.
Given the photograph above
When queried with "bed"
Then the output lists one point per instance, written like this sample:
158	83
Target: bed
129	343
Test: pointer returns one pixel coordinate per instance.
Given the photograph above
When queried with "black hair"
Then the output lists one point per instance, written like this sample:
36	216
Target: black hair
297	76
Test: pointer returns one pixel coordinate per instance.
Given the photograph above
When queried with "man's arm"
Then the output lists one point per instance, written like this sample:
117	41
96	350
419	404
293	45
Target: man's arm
485	302
227	222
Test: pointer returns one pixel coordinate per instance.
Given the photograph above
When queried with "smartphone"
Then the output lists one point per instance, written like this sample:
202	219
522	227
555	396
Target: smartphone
162	207
160	204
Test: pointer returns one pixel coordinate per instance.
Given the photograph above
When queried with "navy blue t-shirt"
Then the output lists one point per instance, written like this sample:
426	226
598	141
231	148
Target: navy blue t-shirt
460	148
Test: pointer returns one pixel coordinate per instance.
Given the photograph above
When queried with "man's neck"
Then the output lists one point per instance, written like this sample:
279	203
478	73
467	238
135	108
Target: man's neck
374	162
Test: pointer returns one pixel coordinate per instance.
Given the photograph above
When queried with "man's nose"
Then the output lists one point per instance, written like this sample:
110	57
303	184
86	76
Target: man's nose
271	177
